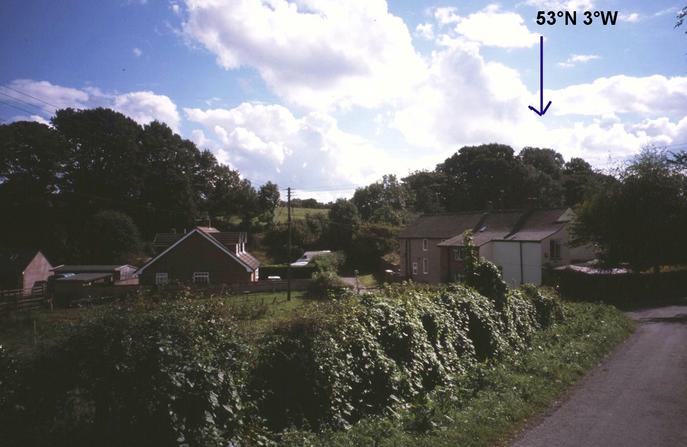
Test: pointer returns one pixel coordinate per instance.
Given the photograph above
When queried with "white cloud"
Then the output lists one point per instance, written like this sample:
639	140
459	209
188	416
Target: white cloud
144	107
318	54
47	98
267	142
425	30
137	52
650	96
575	59
490	27
562	5
630	18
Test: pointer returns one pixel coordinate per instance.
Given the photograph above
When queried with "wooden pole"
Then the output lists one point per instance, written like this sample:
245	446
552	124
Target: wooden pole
288	269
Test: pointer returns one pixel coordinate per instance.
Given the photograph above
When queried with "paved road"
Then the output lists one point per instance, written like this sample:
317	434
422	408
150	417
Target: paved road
637	397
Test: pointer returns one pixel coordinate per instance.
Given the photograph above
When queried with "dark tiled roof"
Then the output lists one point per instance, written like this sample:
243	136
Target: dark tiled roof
538	225
441	226
85	277
226	238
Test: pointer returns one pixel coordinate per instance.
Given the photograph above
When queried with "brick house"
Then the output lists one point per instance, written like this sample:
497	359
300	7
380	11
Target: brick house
523	244
201	256
23	269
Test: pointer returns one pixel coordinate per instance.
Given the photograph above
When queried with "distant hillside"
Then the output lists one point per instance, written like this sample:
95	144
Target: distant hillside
281	213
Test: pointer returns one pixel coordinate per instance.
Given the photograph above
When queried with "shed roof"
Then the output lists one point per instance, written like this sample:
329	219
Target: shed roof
93	268
495	225
540	224
85	277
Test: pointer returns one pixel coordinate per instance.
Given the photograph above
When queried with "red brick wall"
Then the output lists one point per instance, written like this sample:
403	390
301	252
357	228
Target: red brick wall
196	254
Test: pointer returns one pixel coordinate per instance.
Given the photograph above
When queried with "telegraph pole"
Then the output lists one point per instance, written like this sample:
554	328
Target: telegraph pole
288	268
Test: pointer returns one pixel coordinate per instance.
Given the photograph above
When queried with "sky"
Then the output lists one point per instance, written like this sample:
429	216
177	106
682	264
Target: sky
327	95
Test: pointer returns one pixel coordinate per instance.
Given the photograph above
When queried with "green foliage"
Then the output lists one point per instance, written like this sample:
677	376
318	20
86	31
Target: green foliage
383	202
329	262
621	220
483	275
325	284
169	375
110	237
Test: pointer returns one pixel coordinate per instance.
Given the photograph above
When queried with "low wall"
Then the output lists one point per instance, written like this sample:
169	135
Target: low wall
620	289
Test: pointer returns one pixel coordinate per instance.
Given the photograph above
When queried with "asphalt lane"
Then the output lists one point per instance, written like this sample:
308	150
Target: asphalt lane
636	398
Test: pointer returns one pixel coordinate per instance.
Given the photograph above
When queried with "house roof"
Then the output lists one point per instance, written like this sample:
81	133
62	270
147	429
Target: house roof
540	224
308	256
243	258
441	226
90	268
511	225
226	238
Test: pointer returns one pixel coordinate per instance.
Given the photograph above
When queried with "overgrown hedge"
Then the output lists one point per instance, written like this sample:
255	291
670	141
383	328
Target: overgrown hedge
304	272
182	374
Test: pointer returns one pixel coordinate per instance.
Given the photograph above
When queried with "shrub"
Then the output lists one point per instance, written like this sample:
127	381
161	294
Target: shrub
325	285
134	376
330	262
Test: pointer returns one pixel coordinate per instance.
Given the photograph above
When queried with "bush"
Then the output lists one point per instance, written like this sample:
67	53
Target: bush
132	376
325	285
330	262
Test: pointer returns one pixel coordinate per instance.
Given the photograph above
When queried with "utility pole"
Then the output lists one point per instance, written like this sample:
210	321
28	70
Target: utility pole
288	268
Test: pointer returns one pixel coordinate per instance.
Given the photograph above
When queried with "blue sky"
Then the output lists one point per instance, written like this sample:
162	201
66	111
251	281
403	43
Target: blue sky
326	95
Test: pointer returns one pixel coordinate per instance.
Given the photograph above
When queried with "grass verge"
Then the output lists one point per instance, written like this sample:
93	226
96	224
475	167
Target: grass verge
494	401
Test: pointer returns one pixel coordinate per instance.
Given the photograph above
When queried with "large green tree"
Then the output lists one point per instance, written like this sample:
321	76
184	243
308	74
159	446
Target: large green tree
640	219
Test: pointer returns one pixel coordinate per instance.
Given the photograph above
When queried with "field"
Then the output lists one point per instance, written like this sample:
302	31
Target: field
281	213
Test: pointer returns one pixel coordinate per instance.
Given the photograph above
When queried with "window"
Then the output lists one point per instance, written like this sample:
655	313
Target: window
425	266
458	277
555	249
459	253
425	245
414	268
161	279
201	278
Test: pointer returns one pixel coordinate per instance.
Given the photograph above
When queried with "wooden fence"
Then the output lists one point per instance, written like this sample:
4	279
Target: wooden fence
24	299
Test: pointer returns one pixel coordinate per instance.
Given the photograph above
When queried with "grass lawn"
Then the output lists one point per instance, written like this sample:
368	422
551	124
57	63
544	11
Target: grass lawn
493	402
368	281
281	214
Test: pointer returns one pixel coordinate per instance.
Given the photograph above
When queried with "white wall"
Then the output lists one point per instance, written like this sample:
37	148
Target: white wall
507	256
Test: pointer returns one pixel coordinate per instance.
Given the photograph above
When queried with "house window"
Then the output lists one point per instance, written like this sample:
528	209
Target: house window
201	278
459	253
161	279
459	277
555	249
425	245
414	268
425	266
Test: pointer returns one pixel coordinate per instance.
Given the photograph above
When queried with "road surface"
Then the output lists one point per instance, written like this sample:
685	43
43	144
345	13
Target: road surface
637	397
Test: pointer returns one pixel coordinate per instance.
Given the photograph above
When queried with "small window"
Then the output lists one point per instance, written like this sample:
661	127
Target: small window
201	278
555	249
459	277
425	266
425	245
161	279
414	268
459	253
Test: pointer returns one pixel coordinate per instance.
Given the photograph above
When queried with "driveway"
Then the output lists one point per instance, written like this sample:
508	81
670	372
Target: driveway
637	397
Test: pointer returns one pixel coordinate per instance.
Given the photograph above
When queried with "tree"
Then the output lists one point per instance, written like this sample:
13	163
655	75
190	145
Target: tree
344	223
268	199
110	237
385	201
479	177
681	17
425	191
32	165
543	173
641	218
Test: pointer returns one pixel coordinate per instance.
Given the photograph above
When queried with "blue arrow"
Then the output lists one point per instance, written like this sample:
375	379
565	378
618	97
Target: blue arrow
542	110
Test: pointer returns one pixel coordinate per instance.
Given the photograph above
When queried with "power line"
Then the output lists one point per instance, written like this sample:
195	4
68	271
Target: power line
18	108
31	96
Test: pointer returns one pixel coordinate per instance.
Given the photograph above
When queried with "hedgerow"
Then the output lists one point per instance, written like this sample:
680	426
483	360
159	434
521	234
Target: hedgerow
182	373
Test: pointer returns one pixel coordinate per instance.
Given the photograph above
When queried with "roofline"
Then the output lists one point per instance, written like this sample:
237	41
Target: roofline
183	238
